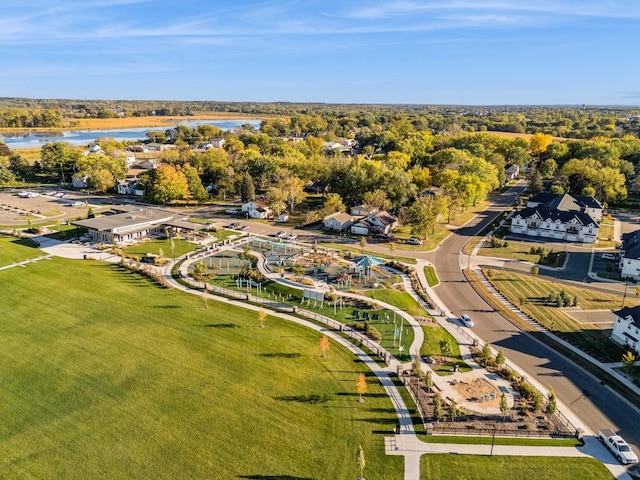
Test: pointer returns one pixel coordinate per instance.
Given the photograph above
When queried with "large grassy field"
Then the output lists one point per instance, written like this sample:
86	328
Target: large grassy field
476	467
402	300
106	375
17	250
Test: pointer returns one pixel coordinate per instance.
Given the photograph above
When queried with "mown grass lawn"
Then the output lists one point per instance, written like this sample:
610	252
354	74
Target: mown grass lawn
17	250
433	335
106	375
530	293
477	467
181	247
402	300
432	276
358	251
293	296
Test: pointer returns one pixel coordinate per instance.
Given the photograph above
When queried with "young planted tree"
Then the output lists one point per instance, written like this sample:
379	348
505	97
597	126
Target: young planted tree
361	387
262	315
445	349
485	354
628	360
453	410
500	357
504	406
428	381
363	244
204	296
417	368
360	461
437	407
552	403
324	345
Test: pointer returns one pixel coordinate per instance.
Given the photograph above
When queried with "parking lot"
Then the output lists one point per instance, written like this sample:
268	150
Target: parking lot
14	209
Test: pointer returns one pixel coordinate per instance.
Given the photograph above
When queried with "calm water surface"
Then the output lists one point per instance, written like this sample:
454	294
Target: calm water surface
35	139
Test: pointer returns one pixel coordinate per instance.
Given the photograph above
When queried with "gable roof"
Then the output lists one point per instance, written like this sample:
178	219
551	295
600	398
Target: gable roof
633	312
564	216
564	202
341	217
384	217
631	244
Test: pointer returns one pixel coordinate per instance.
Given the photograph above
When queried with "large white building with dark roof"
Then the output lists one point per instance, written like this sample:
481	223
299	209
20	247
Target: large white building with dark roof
559	217
626	328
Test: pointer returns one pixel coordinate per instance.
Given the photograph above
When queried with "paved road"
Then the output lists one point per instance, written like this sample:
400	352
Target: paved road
594	403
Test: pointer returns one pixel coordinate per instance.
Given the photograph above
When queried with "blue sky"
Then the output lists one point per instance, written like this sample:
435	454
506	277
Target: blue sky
342	51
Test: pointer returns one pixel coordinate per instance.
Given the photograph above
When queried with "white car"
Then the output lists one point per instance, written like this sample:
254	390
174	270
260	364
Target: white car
466	320
281	234
608	256
414	241
24	194
232	211
292	237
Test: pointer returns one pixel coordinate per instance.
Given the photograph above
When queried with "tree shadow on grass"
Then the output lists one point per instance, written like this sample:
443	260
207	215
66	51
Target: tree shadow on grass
381	421
312	399
366	395
221	325
274	477
281	355
164	307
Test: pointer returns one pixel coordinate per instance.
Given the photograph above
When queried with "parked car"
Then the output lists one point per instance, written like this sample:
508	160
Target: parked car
234	225
232	211
244	228
466	320
414	241
609	256
292	237
616	444
281	234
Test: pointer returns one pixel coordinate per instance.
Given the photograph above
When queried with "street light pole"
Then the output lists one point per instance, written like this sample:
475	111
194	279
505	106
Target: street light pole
626	284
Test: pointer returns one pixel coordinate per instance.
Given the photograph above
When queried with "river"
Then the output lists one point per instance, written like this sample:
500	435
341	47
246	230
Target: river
35	139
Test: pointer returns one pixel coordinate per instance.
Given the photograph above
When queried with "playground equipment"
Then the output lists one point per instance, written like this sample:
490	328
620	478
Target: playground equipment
378	270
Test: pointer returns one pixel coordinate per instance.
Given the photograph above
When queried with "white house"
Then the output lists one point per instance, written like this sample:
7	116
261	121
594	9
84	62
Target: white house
512	172
626	328
338	222
217	142
256	209
560	217
376	223
80	181
630	255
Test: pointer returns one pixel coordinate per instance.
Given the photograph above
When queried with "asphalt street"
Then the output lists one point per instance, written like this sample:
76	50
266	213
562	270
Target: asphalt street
595	404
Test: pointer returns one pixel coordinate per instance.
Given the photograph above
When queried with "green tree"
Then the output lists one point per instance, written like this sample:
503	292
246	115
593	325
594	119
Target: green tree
504	406
485	354
332	204
552	403
246	188
376	200
445	348
363	244
293	190
428	380
500	357
165	184
196	189
535	271
437	407
454	411
102	180
535	181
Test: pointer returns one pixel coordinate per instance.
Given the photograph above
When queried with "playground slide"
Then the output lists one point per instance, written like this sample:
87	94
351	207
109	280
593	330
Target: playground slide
377	270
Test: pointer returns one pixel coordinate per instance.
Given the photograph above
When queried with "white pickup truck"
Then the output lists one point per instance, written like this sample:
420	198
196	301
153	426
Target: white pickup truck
620	449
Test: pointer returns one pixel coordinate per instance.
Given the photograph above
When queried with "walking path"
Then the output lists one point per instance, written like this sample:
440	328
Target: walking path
26	262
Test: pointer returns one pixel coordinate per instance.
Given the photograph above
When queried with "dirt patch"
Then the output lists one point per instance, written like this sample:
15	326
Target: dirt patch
480	391
599	318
